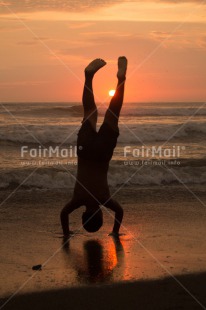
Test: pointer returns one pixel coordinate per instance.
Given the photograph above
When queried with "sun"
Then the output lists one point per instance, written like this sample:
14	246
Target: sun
111	92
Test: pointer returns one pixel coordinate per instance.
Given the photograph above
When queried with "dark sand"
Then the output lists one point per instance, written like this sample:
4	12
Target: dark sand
160	294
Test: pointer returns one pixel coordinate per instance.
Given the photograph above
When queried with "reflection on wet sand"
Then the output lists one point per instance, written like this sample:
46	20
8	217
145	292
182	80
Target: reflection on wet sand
96	263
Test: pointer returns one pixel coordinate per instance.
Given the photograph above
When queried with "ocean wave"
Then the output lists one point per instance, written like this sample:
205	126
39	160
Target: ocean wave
169	111
128	133
39	134
121	173
129	109
162	132
46	178
67	111
157	175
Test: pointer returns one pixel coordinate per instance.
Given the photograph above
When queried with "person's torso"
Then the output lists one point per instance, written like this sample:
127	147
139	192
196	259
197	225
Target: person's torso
92	180
96	146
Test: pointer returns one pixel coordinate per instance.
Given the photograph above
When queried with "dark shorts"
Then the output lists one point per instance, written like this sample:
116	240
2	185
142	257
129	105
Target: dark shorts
97	146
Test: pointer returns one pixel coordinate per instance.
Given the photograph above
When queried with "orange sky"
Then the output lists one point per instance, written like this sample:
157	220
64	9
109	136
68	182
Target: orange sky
45	46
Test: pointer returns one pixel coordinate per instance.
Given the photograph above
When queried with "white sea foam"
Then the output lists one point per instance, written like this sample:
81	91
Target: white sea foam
49	178
129	133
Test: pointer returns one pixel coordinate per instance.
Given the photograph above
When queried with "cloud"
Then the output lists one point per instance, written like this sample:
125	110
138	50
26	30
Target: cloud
107	34
69	58
81	25
202	42
73	5
179	2
53	5
180	39
27	43
21	83
95	34
166	35
35	41
11	28
42	38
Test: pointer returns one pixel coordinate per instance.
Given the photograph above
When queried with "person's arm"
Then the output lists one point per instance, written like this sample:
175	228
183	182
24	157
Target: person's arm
117	209
64	216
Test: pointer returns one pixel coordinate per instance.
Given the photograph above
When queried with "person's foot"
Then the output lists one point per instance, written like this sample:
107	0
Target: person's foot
122	67
94	66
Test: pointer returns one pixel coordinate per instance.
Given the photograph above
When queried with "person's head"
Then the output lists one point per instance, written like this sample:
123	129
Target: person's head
92	221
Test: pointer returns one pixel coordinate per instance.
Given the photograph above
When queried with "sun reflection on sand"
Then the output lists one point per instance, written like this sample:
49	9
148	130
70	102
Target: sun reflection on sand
97	260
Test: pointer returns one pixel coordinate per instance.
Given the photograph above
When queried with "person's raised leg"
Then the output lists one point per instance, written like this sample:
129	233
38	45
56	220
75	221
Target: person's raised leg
113	112
90	109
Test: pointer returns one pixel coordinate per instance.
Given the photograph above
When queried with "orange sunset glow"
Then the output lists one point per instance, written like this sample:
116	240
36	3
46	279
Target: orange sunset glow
46	45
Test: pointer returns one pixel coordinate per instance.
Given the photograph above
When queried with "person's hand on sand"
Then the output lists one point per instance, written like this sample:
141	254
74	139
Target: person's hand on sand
116	234
69	235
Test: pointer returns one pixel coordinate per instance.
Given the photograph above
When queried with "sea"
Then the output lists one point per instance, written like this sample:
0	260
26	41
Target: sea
159	143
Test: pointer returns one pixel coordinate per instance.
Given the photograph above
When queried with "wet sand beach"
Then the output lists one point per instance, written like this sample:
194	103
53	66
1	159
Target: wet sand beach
163	245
